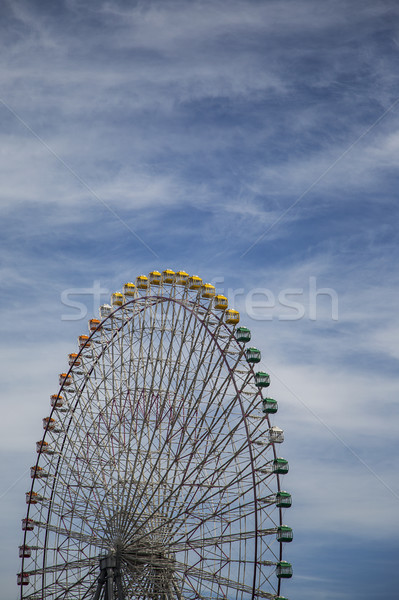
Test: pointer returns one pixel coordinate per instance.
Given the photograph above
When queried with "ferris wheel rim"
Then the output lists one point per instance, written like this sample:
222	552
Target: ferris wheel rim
159	299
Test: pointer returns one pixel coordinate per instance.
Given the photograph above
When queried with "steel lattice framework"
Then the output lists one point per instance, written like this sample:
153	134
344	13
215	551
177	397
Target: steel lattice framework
158	459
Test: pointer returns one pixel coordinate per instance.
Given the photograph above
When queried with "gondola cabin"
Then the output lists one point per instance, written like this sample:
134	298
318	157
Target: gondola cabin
269	406
280	466
129	290
243	334
42	447
27	525
37	472
117	299
142	282
283	500
94	324
231	316
284	534
49	423
73	360
262	379
56	401
83	341
220	302
31	497
65	379
181	278
194	282
23	579
253	355
168	276
25	551
284	569
276	435
155	278
208	290
105	310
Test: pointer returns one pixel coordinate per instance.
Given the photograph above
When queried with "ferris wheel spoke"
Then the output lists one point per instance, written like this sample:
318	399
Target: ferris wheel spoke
151	385
142	431
75	500
184	500
149	445
201	575
75	504
70	513
214	514
217	511
212	477
218	541
77	564
193	592
95	456
161	452
75	447
145	580
235	514
71	588
70	534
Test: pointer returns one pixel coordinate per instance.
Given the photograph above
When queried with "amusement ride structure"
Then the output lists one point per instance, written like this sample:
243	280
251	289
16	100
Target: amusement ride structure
157	475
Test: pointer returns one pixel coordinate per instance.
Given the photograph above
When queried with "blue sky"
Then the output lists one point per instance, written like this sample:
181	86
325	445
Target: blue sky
255	144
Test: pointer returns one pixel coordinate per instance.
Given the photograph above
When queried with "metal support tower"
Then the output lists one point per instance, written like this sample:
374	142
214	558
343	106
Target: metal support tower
109	580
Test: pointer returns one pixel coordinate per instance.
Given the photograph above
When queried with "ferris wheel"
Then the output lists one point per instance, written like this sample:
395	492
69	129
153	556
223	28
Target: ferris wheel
157	475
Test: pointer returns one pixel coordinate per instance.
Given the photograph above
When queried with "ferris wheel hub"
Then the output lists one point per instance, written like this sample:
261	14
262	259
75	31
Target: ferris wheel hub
150	556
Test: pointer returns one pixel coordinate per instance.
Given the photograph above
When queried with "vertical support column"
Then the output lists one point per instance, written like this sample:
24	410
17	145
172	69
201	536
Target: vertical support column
108	575
109	590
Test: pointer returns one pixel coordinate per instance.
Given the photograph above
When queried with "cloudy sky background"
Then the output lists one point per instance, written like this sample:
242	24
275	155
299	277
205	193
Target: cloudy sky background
255	144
